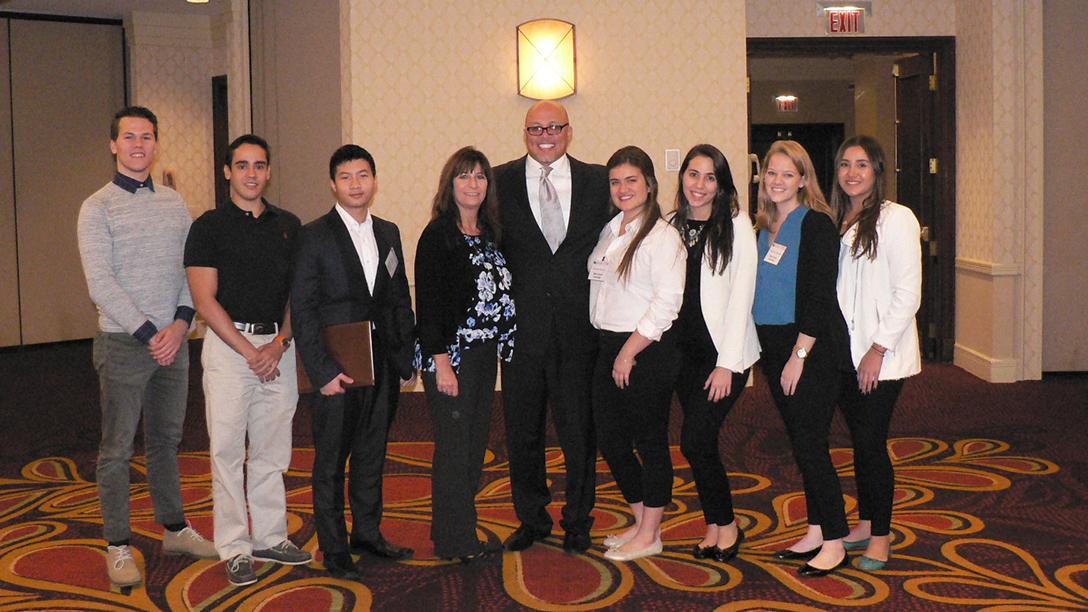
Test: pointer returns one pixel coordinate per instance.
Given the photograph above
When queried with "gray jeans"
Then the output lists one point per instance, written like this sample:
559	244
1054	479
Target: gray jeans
132	383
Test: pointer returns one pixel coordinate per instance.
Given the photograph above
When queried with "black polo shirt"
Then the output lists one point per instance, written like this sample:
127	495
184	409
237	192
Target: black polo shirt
253	256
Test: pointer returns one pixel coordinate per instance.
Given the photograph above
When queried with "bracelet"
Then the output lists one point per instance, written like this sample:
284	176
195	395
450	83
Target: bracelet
879	352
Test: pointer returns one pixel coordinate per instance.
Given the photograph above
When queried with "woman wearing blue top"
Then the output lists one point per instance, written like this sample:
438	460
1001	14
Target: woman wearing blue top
880	290
715	332
803	337
465	318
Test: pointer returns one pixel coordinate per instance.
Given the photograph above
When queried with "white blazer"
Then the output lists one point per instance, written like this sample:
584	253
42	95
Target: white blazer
726	300
879	297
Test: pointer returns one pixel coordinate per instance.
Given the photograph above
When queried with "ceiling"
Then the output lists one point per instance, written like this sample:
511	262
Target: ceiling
107	9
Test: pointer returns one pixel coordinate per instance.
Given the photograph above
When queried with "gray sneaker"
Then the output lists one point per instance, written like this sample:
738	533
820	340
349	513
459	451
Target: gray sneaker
285	553
240	570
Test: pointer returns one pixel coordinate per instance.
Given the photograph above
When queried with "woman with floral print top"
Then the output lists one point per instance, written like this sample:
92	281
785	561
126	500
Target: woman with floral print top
465	320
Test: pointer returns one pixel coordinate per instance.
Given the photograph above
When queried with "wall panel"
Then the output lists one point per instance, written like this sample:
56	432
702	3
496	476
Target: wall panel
9	267
67	81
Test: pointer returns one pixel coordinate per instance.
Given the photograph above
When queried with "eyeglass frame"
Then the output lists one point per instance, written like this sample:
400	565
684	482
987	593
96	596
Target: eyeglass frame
552	129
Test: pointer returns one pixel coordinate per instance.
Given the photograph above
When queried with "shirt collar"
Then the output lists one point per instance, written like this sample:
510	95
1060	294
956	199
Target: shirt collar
350	221
617	221
233	209
560	167
130	184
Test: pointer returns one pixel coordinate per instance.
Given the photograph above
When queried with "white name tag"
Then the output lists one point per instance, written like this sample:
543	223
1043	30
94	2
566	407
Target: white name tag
775	253
597	270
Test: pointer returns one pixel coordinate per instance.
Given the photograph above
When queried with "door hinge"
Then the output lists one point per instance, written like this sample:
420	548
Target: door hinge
932	330
933	82
932	248
933	165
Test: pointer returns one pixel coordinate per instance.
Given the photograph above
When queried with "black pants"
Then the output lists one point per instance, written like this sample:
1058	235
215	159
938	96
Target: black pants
461	426
636	418
531	382
699	434
868	417
352	426
807	415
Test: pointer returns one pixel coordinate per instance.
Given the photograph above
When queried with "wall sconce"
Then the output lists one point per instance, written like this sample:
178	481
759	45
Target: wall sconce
546	59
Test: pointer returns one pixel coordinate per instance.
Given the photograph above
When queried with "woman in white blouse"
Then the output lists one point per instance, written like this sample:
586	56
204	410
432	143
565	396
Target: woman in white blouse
636	277
715	331
879	289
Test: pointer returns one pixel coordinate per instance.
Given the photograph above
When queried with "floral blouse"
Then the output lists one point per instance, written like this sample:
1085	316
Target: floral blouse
491	317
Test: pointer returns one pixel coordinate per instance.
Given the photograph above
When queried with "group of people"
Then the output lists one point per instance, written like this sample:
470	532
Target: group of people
598	306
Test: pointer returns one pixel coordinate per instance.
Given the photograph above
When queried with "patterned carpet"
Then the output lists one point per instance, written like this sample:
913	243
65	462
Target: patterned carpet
990	512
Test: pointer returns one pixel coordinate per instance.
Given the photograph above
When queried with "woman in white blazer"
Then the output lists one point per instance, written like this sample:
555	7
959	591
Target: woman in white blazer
879	289
715	332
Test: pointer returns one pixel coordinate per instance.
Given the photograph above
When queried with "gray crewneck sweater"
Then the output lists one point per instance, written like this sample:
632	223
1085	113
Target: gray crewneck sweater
132	245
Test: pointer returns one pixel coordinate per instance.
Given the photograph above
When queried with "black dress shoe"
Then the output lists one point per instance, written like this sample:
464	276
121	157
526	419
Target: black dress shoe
704	552
725	555
381	548
523	537
486	548
814	572
340	565
576	541
789	555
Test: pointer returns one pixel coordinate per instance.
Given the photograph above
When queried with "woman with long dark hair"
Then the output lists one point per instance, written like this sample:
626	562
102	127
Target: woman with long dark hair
715	332
636	277
880	291
465	317
803	337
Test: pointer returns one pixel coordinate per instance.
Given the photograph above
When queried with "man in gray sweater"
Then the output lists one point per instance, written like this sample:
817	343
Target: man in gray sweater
131	239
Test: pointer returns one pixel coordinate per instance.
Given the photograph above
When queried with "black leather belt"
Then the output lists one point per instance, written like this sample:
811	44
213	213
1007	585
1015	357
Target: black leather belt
259	329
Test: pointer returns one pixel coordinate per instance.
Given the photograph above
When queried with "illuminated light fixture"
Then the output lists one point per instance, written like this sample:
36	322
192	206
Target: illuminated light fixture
197	1
786	103
546	59
844	16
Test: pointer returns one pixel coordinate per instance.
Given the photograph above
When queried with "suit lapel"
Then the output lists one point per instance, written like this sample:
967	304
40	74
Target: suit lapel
577	207
353	268
385	246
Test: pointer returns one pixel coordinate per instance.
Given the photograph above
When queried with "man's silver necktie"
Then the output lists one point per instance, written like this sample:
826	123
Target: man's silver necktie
551	214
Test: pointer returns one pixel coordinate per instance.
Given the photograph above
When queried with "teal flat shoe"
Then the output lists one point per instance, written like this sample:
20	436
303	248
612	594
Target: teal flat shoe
869	564
855	545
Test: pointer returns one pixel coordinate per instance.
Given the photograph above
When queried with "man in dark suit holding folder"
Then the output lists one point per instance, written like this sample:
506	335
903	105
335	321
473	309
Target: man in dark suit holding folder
350	268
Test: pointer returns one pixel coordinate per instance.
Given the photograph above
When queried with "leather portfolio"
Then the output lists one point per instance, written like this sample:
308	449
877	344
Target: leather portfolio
350	347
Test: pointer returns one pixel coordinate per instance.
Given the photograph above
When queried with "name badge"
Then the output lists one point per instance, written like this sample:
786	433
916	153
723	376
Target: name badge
775	253
598	269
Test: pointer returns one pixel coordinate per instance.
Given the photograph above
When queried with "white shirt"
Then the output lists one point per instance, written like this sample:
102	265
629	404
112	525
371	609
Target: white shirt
880	297
649	300
362	238
561	180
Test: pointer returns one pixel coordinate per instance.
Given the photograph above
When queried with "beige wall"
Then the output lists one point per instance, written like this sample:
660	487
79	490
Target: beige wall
171	65
999	202
296	98
874	106
1065	277
424	83
9	257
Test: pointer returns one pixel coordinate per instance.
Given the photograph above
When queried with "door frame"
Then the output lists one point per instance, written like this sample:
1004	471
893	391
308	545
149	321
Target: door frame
943	49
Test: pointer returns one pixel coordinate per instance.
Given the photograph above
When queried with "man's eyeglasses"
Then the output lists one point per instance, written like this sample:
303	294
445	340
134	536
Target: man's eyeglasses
553	129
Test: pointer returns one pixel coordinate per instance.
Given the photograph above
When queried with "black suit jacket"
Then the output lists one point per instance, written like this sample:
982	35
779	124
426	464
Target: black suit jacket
551	291
816	309
329	287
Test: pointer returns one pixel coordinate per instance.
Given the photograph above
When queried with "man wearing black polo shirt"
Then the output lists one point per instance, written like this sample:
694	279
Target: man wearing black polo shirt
238	259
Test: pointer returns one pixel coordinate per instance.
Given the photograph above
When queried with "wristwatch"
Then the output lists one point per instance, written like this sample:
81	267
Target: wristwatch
802	354
286	342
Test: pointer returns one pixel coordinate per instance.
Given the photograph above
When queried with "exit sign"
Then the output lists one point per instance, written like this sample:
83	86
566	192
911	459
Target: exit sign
845	21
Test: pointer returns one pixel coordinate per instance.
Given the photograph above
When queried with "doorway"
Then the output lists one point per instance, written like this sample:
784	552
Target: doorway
899	90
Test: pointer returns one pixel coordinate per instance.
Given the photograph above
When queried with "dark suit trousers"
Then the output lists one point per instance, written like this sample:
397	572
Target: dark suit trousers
461	427
699	434
868	417
351	427
530	382
807	415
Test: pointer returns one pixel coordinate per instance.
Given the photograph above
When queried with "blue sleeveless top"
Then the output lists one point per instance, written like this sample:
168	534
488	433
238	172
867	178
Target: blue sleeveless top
776	285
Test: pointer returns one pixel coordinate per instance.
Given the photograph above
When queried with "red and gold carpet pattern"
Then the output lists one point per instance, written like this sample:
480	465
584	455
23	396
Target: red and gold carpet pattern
980	522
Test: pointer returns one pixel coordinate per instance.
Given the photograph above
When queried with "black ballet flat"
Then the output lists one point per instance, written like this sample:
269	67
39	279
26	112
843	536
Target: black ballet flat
814	572
725	555
486	548
790	555
709	552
